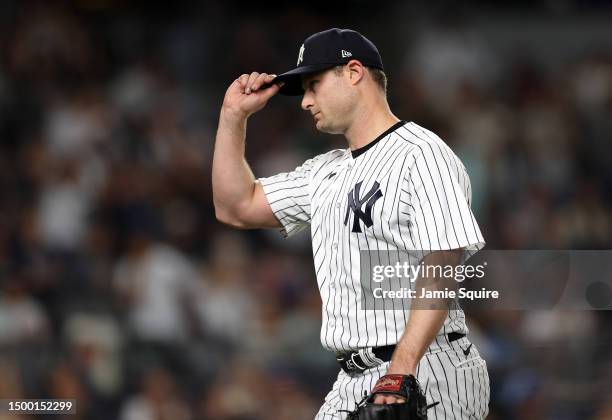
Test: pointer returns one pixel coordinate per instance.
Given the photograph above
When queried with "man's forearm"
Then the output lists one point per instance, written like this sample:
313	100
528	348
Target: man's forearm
232	179
424	323
423	327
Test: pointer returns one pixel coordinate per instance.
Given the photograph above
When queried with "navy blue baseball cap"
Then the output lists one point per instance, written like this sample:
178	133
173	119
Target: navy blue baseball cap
325	50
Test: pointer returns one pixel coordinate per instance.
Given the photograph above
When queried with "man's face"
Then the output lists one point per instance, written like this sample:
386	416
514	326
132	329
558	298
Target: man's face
329	99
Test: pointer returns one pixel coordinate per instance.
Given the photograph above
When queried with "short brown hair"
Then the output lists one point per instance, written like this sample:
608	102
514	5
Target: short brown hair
378	75
380	78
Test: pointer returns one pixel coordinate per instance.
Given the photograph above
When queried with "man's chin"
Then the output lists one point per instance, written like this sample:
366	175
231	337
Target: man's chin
326	128
320	126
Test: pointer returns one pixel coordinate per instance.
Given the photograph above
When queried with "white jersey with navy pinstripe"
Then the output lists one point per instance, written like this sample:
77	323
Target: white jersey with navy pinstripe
411	192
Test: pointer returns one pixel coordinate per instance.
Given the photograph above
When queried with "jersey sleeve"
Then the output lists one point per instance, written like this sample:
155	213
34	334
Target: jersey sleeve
440	192
289	196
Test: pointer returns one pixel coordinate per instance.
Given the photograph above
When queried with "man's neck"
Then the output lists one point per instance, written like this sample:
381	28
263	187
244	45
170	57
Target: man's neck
369	125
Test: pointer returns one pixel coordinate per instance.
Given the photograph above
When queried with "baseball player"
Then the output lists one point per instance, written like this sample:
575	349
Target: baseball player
397	187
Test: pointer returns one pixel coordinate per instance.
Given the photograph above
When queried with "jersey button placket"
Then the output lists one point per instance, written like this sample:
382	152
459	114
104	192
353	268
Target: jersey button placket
334	245
338	218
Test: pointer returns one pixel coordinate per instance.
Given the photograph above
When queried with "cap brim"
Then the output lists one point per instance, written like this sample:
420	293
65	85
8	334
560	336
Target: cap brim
293	78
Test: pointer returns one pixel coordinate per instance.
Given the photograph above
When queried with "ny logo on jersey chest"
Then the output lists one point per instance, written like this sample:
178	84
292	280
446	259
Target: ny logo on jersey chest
355	204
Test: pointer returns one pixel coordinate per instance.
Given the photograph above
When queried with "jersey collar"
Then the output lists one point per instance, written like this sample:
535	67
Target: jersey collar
361	150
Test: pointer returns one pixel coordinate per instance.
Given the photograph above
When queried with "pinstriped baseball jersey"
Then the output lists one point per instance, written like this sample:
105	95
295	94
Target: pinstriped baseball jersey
404	191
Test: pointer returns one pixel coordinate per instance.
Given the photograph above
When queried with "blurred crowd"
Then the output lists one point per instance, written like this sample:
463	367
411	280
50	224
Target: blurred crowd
118	287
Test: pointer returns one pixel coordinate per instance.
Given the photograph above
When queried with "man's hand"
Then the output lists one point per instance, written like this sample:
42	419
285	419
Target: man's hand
393	397
245	95
389	399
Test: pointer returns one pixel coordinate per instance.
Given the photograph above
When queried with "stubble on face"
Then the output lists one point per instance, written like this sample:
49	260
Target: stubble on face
332	102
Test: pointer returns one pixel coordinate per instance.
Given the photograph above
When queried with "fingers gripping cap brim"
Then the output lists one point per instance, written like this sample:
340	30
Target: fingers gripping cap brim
293	78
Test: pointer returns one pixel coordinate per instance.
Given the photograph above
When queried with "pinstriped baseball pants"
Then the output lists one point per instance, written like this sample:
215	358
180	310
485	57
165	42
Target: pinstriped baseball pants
458	381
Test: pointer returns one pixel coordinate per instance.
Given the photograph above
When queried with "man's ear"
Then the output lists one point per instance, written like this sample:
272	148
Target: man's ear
356	71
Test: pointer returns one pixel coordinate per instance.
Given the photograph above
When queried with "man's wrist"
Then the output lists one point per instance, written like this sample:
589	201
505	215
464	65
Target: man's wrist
233	116
398	368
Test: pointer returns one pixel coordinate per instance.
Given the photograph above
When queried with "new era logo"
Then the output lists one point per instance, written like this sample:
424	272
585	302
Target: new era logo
346	54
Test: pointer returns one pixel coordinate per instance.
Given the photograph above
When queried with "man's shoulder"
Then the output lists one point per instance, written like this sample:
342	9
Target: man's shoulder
429	149
423	141
333	154
329	156
417	135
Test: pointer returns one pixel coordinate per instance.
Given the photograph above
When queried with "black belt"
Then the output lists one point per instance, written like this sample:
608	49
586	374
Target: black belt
354	363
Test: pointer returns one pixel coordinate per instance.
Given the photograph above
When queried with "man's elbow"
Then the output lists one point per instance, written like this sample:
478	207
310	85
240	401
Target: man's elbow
229	218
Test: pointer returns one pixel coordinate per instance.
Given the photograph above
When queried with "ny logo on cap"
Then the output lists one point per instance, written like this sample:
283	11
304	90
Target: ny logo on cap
301	55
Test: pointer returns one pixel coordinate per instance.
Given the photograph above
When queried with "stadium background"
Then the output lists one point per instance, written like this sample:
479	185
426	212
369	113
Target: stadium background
119	288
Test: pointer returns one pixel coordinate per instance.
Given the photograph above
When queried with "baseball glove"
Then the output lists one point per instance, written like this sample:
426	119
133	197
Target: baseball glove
406	386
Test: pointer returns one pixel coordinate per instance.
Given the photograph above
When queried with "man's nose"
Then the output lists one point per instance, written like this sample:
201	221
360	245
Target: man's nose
306	101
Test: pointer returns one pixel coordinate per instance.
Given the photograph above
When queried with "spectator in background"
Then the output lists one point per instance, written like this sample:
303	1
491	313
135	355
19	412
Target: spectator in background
22	319
65	382
449	55
94	344
159	398
227	304
157	285
10	383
